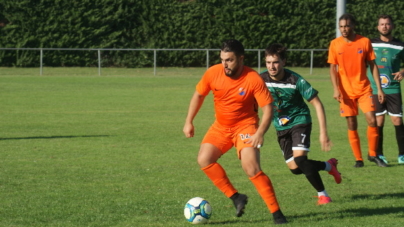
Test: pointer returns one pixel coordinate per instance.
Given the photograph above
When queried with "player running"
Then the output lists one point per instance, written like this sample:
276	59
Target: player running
292	120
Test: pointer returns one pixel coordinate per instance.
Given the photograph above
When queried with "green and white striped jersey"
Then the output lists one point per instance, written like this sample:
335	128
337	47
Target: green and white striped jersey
290	109
389	56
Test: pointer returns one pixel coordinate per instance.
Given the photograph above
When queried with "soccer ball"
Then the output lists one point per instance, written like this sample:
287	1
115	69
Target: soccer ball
197	210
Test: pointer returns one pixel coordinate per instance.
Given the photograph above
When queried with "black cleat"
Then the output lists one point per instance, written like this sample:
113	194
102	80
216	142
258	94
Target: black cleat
377	160
358	164
279	218
239	200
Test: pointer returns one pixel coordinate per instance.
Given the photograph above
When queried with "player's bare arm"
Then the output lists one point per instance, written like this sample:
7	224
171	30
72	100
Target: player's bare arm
325	141
194	106
266	118
376	77
334	81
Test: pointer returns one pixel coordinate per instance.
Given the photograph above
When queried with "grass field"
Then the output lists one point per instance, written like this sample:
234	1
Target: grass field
78	149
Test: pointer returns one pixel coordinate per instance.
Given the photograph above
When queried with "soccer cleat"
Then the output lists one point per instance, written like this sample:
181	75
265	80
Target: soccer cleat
239	203
401	159
279	218
358	164
322	200
383	159
334	171
377	160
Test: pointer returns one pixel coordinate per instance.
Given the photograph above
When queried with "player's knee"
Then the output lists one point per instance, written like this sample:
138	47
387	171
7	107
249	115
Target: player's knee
296	171
300	161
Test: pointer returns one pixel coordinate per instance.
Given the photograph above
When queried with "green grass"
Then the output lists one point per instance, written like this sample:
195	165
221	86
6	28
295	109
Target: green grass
78	149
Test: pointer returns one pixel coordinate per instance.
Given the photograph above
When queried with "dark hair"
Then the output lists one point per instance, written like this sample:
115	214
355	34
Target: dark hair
385	16
276	49
233	45
348	16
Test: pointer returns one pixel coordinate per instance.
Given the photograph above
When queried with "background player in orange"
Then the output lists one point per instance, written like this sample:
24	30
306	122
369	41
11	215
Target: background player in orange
238	91
348	56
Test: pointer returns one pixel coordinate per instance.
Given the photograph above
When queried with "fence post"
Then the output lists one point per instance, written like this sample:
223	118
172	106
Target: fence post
207	59
99	62
155	61
41	62
311	62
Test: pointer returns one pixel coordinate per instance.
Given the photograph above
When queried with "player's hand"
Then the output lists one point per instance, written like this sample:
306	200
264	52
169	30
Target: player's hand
256	140
188	130
398	76
381	96
337	96
325	142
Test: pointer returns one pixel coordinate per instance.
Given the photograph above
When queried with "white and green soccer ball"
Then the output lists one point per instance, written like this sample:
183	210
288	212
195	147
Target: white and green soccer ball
197	210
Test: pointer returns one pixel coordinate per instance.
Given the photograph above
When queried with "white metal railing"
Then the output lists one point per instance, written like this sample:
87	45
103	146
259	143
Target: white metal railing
155	54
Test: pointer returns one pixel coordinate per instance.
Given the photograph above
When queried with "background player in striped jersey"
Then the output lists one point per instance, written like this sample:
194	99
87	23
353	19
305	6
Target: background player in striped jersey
292	120
389	55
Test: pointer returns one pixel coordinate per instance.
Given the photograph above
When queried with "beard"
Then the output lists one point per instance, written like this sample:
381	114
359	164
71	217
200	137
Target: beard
231	72
386	34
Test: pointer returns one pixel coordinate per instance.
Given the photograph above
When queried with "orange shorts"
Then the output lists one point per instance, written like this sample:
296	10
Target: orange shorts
225	138
349	107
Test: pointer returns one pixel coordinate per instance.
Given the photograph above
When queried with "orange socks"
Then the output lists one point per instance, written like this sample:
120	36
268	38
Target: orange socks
354	140
264	187
218	176
373	136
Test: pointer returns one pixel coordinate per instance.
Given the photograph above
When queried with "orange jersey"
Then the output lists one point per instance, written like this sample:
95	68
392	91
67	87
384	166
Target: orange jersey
351	59
236	100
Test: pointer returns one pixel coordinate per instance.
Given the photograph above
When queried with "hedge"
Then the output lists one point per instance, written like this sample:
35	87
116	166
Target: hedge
298	24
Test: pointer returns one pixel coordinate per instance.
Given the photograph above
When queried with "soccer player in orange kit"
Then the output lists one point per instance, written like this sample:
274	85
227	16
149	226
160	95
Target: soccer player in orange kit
238	91
348	56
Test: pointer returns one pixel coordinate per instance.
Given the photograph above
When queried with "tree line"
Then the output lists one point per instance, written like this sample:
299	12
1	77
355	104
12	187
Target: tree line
178	24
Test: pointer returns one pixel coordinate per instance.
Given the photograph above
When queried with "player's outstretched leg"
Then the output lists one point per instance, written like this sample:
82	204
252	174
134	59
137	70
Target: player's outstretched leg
239	201
334	171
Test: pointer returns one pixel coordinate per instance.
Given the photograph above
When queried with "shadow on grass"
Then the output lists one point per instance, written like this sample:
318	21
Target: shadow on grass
379	196
347	213
51	137
228	222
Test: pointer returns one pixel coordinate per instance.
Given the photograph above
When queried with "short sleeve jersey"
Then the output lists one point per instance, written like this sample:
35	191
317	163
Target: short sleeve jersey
389	56
236	101
351	59
289	93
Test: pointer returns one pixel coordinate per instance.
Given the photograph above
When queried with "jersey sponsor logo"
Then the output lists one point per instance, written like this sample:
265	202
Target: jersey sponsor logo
360	51
283	120
385	51
384	67
384	80
383	59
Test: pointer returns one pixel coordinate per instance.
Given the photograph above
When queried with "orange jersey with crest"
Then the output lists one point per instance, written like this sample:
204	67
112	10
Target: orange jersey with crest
236	100
351	59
